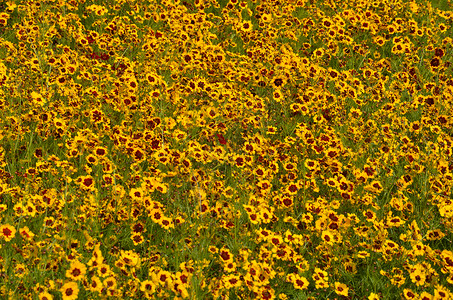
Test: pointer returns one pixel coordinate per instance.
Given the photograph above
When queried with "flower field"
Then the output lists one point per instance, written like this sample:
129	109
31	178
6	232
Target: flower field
213	149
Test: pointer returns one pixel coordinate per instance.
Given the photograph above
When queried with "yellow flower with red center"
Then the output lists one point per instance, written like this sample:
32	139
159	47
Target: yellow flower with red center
299	282
26	233
246	26
45	296
341	289
148	287
77	271
7	232
70	291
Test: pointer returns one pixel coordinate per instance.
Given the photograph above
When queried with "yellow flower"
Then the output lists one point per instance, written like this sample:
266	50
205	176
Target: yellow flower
137	238
26	233
446	211
103	270
136	193
30	209
166	223
3	19
162	277
271	130
246	26
70	290
38	99
373	296
328	237
77	271
226	255
20	270
341	289
45	296
266	18
148	286
110	283
7	232
231	281
441	292
418	277
413	7
321	278
426	295
409	294
95	285
131	258
283	296
299	282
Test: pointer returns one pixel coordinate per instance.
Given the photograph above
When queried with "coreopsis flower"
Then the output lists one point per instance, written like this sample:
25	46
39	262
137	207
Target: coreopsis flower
327	237
246	26
148	287
226	255
341	289
409	294
166	223
70	290
231	281
38	99
373	296
26	233
45	296
103	270
95	285
76	271
299	282
7	232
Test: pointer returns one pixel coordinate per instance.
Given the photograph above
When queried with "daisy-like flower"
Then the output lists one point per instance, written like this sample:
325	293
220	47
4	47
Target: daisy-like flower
418	277
77	271
266	18
162	277
341	289
246	26
136	193
299	282
148	286
7	232
130	258
166	223
26	233
271	130
373	296
441	292
38	99
20	270
70	290
231	281
95	285
110	283
137	239
103	270
328	237
45	296
409	294
230	267
226	255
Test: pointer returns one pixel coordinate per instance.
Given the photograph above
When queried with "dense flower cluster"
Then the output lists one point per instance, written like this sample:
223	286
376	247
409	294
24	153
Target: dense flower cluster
213	149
